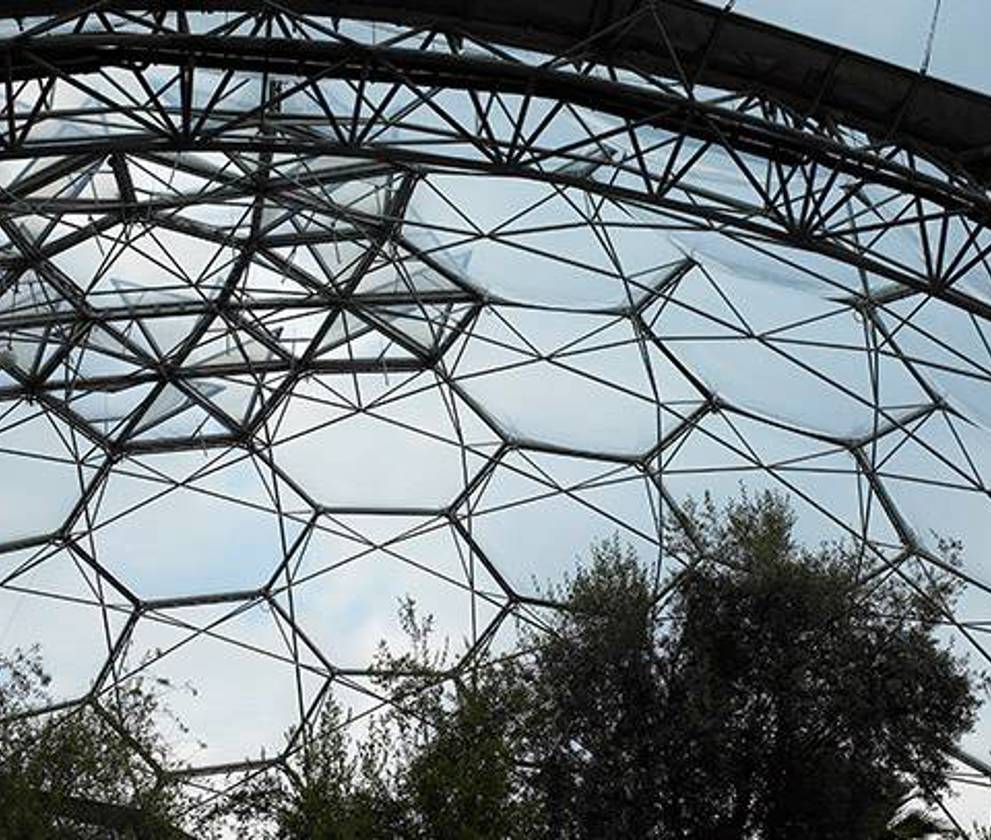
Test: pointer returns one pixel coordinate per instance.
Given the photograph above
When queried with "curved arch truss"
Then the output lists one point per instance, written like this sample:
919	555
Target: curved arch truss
300	313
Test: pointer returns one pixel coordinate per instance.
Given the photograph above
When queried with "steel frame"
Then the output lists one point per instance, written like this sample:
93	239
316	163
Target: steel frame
117	97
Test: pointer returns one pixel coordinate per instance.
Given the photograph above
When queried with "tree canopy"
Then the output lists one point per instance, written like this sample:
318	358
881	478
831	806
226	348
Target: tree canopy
806	689
759	689
85	770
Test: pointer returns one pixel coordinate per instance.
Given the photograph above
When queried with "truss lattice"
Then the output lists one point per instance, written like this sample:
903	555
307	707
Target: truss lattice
299	314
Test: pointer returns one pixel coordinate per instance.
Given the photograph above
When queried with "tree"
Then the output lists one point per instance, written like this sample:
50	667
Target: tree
595	695
763	690
777	692
811	700
84	770
441	764
327	789
459	741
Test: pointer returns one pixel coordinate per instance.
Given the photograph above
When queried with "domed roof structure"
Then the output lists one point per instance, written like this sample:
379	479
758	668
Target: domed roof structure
305	307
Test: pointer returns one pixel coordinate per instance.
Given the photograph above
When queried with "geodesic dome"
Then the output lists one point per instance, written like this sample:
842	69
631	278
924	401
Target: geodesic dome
305	309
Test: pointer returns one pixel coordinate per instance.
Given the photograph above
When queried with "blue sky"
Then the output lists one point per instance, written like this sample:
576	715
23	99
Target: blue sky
895	30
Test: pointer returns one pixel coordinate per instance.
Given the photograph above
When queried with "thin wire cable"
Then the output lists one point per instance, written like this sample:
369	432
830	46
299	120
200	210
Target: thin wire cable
927	57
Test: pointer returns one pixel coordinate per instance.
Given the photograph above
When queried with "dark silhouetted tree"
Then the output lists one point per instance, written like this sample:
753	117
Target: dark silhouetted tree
596	704
760	690
441	763
85	771
776	691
